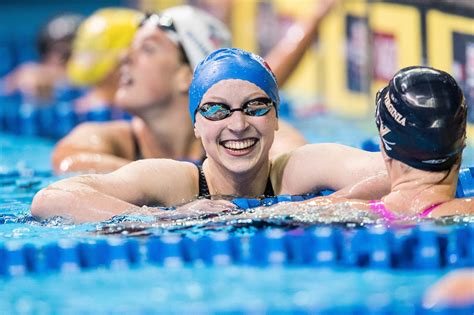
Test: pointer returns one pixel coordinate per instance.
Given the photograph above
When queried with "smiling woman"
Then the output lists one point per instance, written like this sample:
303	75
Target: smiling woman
240	140
154	81
234	108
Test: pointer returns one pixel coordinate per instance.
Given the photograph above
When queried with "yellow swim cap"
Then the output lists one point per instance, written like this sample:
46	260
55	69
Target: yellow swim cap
100	40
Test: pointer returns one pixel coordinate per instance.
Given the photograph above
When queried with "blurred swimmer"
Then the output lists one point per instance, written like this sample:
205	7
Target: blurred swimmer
100	42
38	79
456	289
421	118
155	78
233	106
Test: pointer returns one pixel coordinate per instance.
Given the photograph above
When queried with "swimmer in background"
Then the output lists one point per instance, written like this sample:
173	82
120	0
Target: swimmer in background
38	79
233	106
100	42
155	78
456	289
421	118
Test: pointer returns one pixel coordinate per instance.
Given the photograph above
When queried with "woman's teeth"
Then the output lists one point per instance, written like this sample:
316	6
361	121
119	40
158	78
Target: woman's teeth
239	144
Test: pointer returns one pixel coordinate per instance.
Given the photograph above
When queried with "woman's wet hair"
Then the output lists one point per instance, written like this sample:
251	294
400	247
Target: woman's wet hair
421	117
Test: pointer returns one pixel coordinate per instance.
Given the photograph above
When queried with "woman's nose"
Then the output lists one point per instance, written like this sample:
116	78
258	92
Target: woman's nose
237	122
125	57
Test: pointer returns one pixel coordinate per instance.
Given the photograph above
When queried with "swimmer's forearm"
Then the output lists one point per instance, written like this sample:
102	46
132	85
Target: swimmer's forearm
332	201
82	204
88	162
374	187
289	51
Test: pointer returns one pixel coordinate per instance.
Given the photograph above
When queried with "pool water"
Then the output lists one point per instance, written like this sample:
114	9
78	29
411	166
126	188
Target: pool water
204	290
154	287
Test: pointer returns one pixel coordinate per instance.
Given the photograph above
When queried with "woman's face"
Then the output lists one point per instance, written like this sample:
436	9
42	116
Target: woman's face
239	142
148	74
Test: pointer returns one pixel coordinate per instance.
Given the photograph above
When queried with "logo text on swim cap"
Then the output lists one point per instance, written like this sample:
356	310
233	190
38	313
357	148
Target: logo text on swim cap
384	130
393	112
199	45
437	161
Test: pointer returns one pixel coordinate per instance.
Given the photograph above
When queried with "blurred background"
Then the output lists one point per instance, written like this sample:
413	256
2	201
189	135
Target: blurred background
361	44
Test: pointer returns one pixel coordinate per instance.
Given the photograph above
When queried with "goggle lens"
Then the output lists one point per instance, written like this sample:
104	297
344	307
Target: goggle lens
218	111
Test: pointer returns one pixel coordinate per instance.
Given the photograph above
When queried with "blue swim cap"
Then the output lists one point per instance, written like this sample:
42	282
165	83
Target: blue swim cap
421	116
231	63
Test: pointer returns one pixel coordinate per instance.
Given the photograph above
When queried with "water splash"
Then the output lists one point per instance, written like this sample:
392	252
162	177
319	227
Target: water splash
283	215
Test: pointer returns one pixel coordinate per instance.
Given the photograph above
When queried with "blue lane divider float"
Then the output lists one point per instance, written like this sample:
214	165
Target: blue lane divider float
371	144
465	183
25	115
247	203
424	247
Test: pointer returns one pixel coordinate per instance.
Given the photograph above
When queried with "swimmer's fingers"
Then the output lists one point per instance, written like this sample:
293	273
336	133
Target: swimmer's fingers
193	209
202	206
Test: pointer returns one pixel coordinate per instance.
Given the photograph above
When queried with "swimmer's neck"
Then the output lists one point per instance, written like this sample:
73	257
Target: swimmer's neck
247	184
417	190
167	132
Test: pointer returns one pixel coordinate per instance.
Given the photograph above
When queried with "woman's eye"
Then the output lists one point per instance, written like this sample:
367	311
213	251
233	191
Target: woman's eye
255	105
148	48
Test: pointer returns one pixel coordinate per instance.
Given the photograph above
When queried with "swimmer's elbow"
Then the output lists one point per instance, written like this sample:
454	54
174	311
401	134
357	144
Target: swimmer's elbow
40	204
50	202
62	155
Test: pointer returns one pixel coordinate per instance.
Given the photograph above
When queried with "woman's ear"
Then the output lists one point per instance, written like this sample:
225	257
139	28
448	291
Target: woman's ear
184	78
385	157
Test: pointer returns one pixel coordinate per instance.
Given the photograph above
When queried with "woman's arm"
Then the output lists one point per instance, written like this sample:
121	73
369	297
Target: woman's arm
91	147
287	138
372	187
99	197
288	52
315	167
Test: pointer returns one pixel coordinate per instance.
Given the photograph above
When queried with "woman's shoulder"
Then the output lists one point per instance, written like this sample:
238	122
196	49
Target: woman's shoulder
173	181
167	165
458	206
160	170
102	128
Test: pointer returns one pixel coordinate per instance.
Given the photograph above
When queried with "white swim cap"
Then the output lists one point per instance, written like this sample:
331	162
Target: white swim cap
199	32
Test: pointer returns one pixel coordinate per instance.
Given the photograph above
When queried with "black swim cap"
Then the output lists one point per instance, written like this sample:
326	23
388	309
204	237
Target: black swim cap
421	117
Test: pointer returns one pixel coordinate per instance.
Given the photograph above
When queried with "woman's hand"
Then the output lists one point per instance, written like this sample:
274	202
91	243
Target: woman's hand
199	208
206	207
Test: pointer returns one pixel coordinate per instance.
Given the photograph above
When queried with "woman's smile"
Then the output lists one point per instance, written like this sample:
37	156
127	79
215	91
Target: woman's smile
239	147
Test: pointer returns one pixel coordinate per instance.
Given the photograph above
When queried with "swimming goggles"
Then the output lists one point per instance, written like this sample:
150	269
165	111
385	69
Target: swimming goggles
217	111
166	24
162	21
